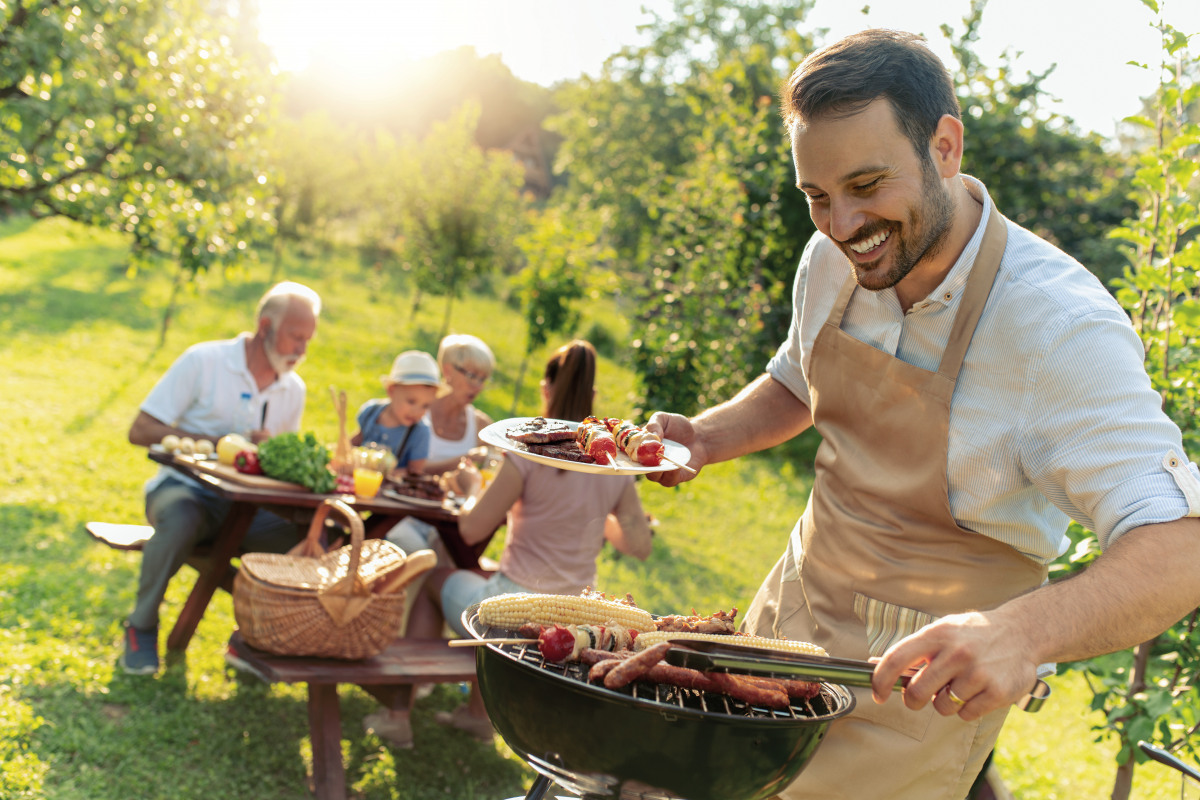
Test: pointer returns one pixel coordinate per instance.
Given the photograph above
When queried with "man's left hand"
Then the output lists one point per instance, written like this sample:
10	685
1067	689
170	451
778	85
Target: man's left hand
969	665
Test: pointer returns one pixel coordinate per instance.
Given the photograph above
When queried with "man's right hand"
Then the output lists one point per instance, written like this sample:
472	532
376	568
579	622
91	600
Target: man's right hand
677	428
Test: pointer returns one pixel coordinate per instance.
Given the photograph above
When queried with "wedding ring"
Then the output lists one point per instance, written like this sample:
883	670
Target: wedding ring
958	701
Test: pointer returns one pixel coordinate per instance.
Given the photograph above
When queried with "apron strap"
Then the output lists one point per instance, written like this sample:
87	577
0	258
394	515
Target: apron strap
843	301
979	286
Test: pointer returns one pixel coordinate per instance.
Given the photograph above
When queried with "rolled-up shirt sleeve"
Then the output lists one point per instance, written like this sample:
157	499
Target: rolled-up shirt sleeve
1098	445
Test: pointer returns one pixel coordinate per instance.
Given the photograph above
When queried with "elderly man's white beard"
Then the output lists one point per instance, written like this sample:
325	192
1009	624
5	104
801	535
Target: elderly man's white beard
280	363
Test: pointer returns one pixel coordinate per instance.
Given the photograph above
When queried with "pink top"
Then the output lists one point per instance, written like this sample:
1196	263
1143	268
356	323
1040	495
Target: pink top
556	528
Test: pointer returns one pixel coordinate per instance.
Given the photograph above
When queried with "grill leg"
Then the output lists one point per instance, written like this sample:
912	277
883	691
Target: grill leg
539	788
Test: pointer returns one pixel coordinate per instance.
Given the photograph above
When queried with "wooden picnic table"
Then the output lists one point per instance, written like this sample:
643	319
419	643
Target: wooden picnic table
380	513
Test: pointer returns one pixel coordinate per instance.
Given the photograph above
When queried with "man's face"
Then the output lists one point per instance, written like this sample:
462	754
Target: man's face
867	190
409	402
286	344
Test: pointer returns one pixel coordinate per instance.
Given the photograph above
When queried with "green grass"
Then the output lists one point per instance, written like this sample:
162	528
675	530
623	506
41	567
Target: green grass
79	351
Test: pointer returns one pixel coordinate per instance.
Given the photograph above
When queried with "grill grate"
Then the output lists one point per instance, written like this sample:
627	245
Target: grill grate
679	697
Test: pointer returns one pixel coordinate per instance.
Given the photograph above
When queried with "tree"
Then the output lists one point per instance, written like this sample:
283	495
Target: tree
564	257
679	143
142	116
448	210
1068	189
315	179
1152	691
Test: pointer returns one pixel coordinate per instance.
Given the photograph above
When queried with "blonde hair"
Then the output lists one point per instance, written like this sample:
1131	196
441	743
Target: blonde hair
465	350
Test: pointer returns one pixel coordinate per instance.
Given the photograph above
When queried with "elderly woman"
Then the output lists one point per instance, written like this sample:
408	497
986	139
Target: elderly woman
466	364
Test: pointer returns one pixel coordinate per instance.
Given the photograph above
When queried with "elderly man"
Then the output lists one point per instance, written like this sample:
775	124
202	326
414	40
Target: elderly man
202	395
975	388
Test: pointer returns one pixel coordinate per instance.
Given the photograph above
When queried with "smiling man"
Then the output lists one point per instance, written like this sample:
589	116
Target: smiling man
975	389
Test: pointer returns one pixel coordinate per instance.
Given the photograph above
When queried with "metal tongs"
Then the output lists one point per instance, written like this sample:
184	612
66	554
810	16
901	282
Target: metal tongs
707	656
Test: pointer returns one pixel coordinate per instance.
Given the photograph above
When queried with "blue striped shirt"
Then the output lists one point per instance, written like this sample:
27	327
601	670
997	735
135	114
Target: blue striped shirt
1053	416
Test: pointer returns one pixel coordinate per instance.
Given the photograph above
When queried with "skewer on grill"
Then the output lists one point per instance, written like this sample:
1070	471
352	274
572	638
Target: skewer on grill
481	642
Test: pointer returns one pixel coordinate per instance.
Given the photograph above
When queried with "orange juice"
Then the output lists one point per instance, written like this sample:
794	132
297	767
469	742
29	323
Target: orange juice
367	481
490	466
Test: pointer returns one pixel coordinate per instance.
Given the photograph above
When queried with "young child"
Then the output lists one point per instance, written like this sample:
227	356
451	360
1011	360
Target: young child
415	381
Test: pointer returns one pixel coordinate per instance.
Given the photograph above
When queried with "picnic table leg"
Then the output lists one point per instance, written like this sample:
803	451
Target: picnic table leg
325	730
233	531
391	696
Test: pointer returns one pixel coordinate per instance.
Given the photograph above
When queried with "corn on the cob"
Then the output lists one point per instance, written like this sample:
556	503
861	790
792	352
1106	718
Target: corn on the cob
514	610
645	640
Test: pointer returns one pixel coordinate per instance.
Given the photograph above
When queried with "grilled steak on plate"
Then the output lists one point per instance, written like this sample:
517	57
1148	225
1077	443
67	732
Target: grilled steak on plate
567	451
540	430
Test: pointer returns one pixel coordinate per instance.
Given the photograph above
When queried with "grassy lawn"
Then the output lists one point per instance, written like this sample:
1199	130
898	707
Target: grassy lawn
79	351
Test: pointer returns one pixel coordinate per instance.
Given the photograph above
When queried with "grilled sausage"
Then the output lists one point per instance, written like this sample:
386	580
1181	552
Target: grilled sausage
749	692
630	669
600	669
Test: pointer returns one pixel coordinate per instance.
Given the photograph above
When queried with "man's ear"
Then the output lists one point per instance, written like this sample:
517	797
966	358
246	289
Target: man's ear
946	146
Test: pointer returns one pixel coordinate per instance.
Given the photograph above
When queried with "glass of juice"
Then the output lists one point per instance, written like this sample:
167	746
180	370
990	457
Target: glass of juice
491	463
367	481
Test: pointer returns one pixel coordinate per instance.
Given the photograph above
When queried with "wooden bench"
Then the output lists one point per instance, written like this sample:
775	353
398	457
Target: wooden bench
388	677
132	538
120	537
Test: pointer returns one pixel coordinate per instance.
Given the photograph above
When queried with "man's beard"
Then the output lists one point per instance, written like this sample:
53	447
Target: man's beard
929	225
280	363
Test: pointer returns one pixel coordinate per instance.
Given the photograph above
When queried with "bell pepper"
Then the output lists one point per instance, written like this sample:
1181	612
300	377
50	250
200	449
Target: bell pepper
247	461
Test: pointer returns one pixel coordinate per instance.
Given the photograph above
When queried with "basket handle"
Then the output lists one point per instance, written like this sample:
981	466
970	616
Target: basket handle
312	543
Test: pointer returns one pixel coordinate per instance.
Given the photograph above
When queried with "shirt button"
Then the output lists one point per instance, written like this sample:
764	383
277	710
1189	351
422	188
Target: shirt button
948	296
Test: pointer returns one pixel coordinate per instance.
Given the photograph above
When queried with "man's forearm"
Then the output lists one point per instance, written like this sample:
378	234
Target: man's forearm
1144	583
1140	586
761	416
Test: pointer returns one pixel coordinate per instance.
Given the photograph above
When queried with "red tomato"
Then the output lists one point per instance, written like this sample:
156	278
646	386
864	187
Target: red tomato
556	643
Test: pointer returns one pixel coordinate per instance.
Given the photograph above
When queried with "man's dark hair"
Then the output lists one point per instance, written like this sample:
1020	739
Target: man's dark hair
844	78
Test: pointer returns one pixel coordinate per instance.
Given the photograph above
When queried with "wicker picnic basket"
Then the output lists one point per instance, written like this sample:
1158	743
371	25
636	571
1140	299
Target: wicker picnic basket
346	603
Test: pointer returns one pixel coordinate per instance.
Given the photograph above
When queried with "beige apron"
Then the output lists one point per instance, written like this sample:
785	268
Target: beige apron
878	554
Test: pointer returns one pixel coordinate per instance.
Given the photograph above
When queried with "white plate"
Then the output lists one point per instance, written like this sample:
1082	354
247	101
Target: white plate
496	435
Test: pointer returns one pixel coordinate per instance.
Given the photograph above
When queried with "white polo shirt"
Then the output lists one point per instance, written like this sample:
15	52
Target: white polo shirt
1053	416
202	391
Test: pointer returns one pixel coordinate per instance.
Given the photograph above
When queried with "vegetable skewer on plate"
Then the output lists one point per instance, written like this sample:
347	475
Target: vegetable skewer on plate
639	444
596	441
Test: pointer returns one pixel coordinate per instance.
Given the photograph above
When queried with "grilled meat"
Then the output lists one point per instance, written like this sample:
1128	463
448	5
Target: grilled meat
720	622
567	451
540	430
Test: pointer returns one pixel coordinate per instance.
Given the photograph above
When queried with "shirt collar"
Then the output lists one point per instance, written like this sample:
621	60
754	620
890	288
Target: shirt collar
955	281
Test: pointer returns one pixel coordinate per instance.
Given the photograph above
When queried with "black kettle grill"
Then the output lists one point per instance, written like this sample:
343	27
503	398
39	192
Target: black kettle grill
649	742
